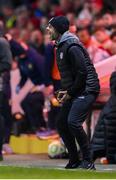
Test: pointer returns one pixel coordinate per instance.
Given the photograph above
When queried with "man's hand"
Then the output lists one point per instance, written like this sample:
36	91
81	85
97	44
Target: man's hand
48	90
34	89
38	88
62	96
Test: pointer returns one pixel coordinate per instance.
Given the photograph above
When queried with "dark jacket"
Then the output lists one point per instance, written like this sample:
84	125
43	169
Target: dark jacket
32	67
31	64
78	74
104	138
5	55
16	49
5	60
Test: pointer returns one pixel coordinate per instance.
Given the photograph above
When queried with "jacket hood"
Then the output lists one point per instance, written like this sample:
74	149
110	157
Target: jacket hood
66	36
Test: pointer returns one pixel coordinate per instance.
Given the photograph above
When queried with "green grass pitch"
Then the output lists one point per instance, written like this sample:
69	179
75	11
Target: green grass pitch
11	172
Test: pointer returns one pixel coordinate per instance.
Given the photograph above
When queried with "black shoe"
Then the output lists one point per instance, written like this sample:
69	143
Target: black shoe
87	165
73	165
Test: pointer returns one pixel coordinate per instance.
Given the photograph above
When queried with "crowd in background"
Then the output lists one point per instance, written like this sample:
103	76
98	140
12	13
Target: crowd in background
93	21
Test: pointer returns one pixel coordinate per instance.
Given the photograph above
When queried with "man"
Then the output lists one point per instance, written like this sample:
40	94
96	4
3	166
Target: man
80	87
31	66
5	65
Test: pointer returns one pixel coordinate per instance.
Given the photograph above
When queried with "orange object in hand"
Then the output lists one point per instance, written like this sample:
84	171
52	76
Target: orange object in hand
54	102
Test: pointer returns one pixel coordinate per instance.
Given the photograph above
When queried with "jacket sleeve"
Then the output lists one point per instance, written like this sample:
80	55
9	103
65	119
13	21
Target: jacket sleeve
24	77
5	55
78	66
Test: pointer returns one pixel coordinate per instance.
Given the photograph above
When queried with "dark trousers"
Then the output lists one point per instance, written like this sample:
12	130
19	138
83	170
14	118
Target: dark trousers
52	117
2	127
8	120
69	124
33	108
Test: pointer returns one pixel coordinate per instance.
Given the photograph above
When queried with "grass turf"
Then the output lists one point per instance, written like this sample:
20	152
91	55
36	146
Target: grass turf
11	172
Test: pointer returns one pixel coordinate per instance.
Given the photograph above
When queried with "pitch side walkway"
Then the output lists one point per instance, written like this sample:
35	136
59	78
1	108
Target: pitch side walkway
44	161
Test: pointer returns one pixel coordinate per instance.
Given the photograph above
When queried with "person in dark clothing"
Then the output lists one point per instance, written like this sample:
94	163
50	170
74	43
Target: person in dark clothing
80	88
8	119
103	143
5	65
31	65
6	108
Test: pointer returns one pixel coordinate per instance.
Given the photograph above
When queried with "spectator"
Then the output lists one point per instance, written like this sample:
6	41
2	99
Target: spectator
108	20
36	41
103	38
96	53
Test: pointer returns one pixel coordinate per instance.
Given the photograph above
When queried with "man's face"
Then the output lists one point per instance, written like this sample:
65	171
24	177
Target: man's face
100	36
83	36
52	32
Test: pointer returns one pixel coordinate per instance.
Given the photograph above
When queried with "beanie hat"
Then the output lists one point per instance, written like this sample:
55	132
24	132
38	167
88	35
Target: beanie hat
60	23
